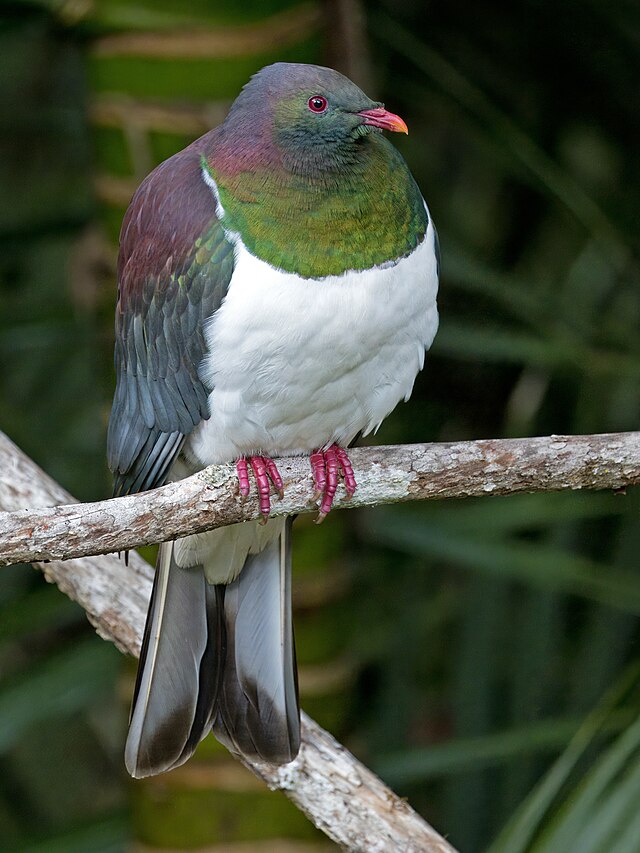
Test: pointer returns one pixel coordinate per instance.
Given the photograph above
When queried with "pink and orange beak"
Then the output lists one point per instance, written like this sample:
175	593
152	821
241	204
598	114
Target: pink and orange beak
379	117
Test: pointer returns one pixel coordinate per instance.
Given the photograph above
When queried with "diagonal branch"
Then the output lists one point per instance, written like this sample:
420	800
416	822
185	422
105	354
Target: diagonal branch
210	498
337	793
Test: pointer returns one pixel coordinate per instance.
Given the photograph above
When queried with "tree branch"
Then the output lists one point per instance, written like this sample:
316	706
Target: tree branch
338	793
210	498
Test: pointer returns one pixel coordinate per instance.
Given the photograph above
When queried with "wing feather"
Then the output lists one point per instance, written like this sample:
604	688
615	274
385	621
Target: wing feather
174	269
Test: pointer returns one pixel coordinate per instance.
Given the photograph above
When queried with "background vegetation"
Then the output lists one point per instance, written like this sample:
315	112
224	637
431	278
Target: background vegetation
481	655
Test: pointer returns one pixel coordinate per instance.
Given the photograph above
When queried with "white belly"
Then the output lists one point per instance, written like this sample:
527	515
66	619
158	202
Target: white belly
296	364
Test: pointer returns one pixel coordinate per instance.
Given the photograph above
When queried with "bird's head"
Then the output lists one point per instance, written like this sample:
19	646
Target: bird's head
312	118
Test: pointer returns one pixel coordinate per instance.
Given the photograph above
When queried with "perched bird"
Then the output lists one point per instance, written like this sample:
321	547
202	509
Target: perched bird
276	295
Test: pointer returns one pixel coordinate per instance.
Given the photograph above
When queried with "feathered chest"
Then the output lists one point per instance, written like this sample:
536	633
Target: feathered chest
294	364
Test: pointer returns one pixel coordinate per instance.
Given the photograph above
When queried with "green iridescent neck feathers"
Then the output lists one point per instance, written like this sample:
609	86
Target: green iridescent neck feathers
307	180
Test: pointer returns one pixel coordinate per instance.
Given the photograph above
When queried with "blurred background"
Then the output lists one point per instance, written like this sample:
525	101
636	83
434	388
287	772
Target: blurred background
481	655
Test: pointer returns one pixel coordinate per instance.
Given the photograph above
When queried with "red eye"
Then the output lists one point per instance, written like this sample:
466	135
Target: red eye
317	104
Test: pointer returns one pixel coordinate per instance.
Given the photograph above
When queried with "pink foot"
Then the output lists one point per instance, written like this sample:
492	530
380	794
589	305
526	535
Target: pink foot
326	466
264	470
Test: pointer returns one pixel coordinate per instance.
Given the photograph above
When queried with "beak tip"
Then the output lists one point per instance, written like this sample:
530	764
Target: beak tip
379	117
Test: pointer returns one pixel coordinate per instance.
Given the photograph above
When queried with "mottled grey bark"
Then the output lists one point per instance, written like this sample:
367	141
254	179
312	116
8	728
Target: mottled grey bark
385	475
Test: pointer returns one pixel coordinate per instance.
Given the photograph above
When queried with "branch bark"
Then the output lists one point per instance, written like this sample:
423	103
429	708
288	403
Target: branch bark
210	498
338	793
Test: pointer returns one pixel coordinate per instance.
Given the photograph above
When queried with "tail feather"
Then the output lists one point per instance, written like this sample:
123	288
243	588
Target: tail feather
179	670
210	673
258	713
217	655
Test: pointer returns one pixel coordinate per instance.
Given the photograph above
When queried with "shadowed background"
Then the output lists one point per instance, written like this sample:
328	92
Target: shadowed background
458	647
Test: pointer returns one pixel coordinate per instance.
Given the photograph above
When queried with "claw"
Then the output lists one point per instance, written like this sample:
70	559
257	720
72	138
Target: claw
265	472
326	466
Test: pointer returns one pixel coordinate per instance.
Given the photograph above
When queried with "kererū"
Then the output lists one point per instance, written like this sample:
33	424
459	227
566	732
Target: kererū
276	295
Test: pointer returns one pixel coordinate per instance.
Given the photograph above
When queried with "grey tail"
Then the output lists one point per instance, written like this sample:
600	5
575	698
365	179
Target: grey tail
216	655
258	714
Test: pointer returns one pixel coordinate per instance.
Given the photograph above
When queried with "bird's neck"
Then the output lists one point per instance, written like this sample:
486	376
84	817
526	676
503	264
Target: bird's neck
321	223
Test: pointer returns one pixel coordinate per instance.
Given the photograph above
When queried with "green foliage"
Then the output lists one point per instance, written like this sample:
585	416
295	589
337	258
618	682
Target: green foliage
599	811
60	719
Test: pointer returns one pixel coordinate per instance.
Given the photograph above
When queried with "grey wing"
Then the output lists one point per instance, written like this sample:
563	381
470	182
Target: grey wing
174	269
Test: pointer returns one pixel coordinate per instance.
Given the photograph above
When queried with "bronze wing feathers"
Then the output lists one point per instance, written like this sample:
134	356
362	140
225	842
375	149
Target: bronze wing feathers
174	268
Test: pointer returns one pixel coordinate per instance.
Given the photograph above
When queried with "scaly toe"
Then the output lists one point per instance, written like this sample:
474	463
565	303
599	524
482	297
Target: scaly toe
265	473
274	476
327	466
346	468
319	475
242	471
259	467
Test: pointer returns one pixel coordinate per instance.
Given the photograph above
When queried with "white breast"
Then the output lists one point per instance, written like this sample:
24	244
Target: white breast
296	364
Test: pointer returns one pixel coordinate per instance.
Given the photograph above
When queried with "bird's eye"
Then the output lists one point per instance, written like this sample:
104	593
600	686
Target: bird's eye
317	104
